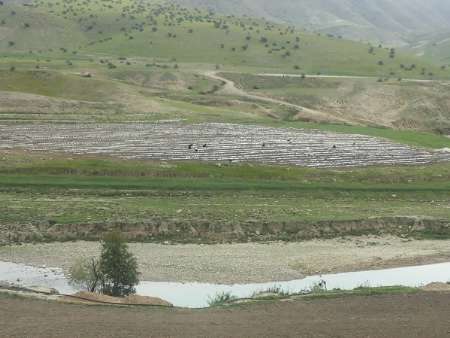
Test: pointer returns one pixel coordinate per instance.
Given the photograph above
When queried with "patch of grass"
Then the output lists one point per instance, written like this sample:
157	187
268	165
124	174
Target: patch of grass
55	84
410	137
61	166
274	292
221	299
87	190
12	295
362	291
54	192
44	183
320	293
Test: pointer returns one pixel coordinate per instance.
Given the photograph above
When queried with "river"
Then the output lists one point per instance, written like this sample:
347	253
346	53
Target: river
196	295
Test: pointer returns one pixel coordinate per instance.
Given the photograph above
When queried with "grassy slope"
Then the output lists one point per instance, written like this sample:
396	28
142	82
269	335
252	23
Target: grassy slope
439	52
387	21
166	94
434	47
45	31
429	113
37	189
54	84
108	33
80	30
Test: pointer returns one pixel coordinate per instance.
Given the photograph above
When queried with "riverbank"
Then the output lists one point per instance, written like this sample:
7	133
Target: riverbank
393	315
246	262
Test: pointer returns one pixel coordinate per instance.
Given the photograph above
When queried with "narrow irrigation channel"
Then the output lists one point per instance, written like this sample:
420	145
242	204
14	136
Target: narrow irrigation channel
197	295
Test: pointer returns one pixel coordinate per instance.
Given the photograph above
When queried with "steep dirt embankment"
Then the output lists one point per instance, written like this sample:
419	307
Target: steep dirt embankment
204	231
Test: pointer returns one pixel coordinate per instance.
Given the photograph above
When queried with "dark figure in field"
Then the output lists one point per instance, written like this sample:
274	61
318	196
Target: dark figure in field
205	145
190	146
334	147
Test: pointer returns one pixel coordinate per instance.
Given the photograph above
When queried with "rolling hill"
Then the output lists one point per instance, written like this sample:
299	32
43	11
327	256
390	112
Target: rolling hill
434	46
152	61
76	29
388	21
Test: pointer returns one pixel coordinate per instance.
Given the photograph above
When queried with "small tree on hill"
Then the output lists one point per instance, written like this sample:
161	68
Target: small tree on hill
118	266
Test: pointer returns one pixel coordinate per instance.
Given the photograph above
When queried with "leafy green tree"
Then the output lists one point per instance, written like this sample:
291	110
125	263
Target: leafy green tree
118	266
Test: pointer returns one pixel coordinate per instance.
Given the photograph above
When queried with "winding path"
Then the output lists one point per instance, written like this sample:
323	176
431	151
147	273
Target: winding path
230	88
348	77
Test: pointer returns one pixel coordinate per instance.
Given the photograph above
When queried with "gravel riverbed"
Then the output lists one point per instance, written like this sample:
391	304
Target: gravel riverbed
245	263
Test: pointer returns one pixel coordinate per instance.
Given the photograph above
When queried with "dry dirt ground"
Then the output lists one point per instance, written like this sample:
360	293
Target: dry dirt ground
248	262
409	104
425	314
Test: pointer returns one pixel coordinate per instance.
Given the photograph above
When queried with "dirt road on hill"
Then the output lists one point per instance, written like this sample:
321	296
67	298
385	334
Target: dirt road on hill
230	88
348	77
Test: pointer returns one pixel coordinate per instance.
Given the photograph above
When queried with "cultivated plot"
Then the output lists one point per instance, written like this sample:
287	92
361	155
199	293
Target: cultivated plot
215	142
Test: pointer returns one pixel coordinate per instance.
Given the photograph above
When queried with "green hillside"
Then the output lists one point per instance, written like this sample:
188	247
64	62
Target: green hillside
151	61
79	30
389	21
434	47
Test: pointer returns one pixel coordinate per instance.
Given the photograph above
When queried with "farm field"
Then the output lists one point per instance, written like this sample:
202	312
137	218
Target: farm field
221	149
215	143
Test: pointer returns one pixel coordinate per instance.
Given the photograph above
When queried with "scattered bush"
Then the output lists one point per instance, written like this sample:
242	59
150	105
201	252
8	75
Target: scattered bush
85	274
118	267
221	299
115	273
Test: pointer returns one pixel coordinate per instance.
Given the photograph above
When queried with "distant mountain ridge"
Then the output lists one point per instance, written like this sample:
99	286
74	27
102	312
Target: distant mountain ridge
388	21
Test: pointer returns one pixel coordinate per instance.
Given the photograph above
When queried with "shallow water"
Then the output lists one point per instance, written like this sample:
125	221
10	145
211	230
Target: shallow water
196	295
28	276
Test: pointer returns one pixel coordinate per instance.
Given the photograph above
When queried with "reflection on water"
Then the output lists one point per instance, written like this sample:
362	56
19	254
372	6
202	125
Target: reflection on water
28	276
196	295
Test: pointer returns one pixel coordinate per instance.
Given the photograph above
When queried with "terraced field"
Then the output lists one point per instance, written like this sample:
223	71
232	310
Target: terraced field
215	142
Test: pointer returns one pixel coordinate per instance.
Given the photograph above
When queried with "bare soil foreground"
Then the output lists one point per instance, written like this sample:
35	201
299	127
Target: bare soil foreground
248	262
215	142
423	314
